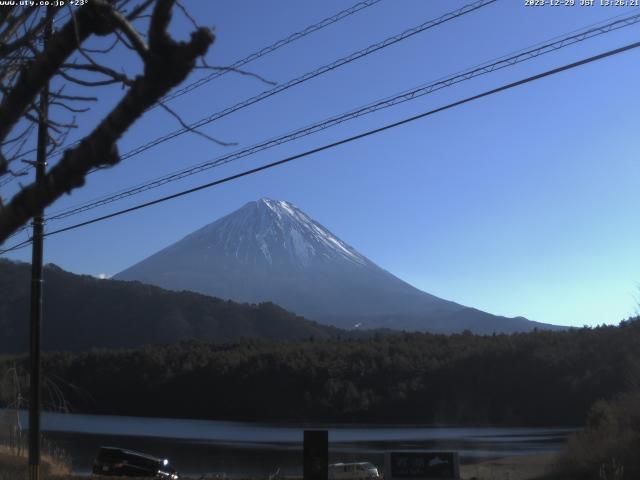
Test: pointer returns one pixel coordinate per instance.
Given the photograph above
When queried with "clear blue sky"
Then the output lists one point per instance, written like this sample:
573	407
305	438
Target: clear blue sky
524	203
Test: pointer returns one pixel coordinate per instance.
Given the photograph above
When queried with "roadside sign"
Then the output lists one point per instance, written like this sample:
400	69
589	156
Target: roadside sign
421	465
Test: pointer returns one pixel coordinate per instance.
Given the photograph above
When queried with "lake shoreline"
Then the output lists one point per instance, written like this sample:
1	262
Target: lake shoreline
519	467
328	423
207	447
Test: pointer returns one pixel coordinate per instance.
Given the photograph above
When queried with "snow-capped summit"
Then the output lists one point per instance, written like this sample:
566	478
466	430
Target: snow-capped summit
281	232
269	250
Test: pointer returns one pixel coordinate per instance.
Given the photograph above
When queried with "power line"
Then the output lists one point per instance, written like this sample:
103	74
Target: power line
10	178
310	75
273	47
368	133
58	151
235	65
18	246
17	232
504	62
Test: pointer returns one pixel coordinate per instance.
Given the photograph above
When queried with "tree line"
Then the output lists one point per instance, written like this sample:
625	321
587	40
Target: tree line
537	378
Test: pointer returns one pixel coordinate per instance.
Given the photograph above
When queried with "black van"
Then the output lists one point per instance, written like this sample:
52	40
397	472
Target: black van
122	462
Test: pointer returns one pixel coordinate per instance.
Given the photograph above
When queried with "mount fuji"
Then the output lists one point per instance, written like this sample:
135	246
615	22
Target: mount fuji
269	250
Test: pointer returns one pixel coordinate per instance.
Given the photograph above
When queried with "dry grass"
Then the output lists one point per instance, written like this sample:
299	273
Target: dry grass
608	447
521	467
14	467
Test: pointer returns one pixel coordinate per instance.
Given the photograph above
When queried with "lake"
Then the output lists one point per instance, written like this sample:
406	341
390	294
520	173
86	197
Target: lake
234	448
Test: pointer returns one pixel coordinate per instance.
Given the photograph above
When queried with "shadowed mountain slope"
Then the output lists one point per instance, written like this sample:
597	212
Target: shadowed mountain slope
82	312
270	250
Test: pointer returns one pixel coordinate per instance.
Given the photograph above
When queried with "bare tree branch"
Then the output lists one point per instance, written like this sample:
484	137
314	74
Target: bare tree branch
205	66
30	35
131	33
89	19
167	64
139	9
184	125
13	23
18	137
74	98
186	13
116	77
123	40
102	50
69	108
86	83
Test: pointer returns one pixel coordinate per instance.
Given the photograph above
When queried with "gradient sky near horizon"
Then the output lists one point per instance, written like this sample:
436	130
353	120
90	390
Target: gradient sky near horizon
522	203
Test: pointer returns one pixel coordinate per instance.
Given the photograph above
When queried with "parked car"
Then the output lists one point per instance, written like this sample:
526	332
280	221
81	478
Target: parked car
128	463
353	471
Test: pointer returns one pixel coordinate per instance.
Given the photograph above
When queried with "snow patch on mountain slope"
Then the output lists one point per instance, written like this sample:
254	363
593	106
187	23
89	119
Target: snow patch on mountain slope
308	238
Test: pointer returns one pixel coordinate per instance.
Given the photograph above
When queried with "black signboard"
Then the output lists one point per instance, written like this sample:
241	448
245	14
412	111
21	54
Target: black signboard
423	465
316	455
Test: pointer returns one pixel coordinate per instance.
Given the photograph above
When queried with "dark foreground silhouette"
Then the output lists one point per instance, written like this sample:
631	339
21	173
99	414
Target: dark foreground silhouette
538	378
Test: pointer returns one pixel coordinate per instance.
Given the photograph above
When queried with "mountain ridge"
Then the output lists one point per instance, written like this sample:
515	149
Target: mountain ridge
269	250
82	312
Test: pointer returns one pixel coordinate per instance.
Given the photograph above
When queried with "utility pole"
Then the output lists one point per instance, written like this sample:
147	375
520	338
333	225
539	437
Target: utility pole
35	388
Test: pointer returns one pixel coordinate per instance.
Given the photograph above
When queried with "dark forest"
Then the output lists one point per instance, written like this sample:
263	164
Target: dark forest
538	378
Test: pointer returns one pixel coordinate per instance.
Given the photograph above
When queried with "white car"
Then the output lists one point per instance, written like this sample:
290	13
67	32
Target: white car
353	471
